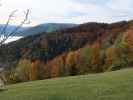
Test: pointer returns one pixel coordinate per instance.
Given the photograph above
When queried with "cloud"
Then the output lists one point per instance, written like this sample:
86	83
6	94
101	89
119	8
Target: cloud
105	11
77	11
126	5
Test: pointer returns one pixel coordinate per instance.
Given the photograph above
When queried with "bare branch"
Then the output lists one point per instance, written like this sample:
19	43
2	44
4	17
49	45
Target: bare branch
8	21
25	21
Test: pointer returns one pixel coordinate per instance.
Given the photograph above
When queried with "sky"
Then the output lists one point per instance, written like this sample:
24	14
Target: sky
67	11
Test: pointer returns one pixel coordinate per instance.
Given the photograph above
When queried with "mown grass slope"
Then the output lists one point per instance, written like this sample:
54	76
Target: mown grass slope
117	85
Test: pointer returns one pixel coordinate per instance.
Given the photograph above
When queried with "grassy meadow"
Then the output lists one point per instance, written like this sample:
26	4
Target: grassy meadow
115	85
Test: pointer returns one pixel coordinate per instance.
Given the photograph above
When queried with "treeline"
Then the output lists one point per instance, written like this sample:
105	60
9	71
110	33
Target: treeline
98	57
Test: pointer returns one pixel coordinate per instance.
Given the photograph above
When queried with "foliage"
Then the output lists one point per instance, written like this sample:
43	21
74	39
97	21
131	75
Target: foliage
87	48
23	70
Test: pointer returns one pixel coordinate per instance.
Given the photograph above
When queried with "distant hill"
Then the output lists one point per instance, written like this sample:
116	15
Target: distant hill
49	27
10	28
27	31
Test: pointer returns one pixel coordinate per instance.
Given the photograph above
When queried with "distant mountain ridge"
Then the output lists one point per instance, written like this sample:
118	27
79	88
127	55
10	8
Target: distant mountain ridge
48	27
27	31
10	28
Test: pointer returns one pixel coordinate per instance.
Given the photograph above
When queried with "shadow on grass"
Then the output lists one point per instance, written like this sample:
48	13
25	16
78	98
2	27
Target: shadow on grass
2	90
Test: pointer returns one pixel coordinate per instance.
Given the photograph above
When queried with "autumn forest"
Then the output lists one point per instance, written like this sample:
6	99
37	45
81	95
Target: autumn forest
83	49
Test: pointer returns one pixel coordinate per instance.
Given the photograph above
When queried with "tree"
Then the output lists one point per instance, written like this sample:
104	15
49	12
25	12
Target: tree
96	57
37	69
2	79
72	62
110	54
128	39
5	36
116	56
85	59
24	70
55	67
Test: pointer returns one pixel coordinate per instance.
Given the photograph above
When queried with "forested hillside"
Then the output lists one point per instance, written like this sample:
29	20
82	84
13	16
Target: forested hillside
87	48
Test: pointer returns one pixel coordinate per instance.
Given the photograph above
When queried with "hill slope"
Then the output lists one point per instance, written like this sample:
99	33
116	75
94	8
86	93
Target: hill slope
88	48
115	85
27	31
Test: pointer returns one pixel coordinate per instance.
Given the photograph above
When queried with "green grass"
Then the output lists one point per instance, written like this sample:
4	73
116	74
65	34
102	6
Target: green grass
117	85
